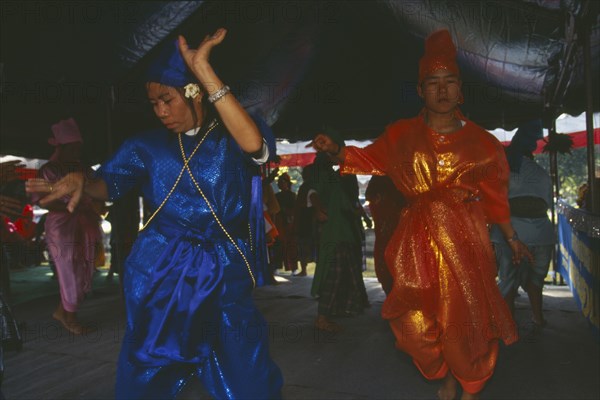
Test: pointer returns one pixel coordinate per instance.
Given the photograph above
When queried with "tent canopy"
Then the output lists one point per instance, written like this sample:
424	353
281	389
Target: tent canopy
303	65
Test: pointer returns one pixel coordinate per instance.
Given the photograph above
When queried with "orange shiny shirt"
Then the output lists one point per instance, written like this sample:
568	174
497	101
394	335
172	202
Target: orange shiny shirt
419	160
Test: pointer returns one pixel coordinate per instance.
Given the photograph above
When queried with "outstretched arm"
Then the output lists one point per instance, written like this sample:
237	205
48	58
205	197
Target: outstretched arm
236	119
324	143
73	184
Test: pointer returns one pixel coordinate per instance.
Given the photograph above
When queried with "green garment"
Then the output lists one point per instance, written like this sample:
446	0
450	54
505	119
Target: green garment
343	222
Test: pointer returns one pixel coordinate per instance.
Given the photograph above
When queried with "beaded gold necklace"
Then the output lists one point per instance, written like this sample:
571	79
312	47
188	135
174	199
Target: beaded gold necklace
214	214
185	167
212	126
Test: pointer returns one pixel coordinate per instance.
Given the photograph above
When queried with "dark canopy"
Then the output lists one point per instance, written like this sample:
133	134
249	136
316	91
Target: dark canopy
351	65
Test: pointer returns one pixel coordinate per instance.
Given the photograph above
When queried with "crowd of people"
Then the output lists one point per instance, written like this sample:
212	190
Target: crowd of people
212	235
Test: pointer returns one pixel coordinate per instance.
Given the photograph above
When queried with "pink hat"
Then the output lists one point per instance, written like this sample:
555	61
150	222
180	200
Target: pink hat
65	131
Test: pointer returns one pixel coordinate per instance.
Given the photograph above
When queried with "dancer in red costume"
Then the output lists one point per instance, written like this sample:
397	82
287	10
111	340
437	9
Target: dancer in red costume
444	308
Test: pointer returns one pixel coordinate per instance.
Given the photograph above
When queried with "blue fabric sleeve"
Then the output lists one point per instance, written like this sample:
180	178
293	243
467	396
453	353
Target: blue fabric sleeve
124	170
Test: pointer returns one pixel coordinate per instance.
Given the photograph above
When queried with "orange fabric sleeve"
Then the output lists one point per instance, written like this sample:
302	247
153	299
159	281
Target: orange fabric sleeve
371	160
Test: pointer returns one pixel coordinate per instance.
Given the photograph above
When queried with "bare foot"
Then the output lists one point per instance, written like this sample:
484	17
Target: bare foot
68	320
469	396
448	389
324	324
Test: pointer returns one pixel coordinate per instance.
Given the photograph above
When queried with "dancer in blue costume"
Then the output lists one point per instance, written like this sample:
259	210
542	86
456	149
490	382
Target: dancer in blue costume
189	277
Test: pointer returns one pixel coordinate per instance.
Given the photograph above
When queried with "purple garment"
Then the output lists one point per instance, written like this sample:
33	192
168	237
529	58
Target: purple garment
71	239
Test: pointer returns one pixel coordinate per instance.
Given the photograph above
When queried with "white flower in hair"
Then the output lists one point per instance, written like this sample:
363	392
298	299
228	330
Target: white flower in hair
192	90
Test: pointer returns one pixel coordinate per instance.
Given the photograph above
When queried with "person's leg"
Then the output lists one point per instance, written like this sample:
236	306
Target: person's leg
290	251
472	316
66	310
449	388
535	281
534	293
471	372
68	319
419	336
303	256
240	366
137	382
329	295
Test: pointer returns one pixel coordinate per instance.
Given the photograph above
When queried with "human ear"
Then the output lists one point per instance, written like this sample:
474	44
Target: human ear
420	89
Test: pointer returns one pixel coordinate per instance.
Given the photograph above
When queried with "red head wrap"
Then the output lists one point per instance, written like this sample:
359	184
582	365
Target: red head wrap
440	53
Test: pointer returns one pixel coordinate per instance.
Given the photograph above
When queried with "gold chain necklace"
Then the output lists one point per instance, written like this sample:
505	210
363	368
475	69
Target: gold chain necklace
212	211
185	165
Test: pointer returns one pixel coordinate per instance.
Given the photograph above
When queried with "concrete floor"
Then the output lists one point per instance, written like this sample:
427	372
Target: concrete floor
359	363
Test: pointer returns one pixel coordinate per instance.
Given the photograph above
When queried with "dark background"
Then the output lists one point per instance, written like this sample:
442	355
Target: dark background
350	65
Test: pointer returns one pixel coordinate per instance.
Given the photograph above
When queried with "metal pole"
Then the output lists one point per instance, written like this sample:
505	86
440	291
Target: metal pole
589	122
552	158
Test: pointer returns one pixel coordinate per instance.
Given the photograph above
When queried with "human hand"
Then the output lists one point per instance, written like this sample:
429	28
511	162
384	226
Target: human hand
324	143
271	177
197	59
520	251
10	207
71	185
8	171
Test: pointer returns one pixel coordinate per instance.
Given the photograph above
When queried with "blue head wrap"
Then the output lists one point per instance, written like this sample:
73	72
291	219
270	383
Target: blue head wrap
169	68
523	143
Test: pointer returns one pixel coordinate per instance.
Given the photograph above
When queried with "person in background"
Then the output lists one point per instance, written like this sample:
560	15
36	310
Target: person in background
529	196
10	207
454	176
305	221
284	220
71	237
338	283
584	196
270	210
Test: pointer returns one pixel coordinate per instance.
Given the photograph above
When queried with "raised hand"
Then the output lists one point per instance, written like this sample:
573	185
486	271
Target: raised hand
70	185
324	143
197	59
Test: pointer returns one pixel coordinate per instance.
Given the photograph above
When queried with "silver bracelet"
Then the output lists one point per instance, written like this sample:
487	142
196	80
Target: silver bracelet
216	96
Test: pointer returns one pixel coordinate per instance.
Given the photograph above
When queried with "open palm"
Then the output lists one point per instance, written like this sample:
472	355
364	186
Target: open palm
198	58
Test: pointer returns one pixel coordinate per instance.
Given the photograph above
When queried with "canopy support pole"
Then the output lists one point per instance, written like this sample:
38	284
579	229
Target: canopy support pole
589	121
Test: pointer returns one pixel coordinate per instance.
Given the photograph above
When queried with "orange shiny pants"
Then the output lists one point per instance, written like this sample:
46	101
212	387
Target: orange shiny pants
435	351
